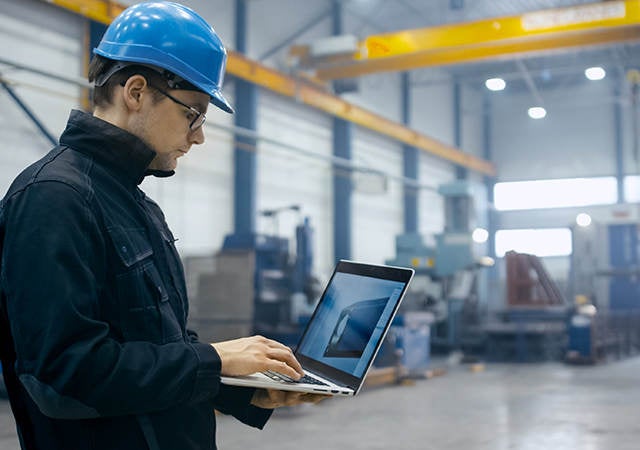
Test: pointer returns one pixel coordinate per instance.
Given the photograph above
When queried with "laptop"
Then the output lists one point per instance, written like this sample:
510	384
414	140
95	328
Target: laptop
345	332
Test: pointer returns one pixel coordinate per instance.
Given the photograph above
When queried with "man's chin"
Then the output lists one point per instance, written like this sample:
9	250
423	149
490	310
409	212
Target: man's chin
164	166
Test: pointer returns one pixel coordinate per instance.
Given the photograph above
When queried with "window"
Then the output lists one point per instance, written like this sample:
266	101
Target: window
539	242
632	189
559	193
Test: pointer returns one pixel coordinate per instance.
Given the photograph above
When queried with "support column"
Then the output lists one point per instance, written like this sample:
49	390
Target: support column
489	181
244	158
410	162
342	181
490	277
618	132
342	191
461	172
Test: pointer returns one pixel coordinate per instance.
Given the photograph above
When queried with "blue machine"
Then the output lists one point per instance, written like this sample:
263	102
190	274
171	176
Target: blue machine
450	264
284	285
605	275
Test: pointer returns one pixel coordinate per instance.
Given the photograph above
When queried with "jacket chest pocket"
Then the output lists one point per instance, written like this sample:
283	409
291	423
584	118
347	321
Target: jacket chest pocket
143	300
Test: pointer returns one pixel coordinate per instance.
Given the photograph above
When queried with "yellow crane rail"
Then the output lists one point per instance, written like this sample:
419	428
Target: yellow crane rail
602	23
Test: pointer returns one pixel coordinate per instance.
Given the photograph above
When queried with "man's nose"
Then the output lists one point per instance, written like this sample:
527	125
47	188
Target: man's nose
197	136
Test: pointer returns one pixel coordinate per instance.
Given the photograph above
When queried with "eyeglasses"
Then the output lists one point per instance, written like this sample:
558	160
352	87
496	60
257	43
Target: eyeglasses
199	117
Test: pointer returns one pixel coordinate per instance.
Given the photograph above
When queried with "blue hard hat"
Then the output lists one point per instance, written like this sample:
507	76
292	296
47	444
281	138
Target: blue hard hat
172	37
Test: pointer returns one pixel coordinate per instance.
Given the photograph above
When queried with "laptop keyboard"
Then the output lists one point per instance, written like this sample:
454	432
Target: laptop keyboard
306	379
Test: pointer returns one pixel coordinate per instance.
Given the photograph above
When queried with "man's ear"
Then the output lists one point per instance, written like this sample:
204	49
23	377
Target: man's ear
134	89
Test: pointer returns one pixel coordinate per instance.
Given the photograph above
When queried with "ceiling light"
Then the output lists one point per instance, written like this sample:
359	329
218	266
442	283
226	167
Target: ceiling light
480	235
537	112
583	219
495	84
595	73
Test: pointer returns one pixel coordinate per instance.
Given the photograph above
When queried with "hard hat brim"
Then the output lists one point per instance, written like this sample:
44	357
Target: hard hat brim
218	99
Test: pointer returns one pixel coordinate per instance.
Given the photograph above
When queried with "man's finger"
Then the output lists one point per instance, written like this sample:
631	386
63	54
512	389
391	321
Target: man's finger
288	359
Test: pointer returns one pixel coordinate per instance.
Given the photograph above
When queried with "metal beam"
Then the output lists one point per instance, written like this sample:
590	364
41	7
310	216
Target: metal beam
536	32
99	10
296	34
16	98
531	84
305	92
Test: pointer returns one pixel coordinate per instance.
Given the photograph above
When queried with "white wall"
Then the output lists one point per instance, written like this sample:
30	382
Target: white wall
36	34
379	93
432	108
576	138
432	172
472	121
377	217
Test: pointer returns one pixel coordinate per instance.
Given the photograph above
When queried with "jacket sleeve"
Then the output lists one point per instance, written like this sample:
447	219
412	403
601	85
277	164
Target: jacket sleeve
236	401
53	273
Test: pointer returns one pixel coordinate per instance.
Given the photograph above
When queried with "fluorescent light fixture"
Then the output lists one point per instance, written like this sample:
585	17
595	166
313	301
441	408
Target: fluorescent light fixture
495	84
537	112
583	219
595	73
480	235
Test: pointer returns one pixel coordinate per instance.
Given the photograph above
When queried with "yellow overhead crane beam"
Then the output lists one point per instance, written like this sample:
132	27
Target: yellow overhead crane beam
602	23
306	92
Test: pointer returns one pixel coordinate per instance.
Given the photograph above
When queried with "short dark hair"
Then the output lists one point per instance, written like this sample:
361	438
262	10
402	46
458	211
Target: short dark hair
103	94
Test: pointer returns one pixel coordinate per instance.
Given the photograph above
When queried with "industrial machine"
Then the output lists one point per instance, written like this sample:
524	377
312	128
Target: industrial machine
446	280
285	289
605	284
533	324
256	284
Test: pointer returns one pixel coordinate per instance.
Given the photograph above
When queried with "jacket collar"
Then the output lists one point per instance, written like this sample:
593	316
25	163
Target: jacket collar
111	146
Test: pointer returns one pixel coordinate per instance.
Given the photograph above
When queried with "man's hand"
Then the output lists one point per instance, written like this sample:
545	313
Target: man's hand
256	354
272	398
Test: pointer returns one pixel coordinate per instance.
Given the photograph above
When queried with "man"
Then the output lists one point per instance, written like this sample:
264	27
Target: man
94	345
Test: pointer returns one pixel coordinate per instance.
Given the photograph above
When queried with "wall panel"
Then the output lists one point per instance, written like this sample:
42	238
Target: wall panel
377	216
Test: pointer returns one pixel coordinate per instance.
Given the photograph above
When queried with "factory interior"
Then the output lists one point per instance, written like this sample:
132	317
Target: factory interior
493	147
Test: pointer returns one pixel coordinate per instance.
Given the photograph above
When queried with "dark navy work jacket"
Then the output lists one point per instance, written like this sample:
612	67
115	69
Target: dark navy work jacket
94	346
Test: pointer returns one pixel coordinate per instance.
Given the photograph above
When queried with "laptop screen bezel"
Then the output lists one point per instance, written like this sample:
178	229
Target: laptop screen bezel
390	273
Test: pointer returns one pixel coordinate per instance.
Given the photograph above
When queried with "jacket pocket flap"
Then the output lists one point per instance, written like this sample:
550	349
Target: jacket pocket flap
131	244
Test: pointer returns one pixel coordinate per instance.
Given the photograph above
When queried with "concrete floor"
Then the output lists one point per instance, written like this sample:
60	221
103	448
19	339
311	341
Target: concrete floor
507	406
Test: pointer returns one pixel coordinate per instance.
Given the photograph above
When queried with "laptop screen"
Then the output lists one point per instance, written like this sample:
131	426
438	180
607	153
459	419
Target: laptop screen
352	318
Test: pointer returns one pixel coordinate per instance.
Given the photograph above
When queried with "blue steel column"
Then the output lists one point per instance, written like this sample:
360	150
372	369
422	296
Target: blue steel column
96	30
489	180
491	274
342	182
410	163
342	191
244	158
618	138
461	172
